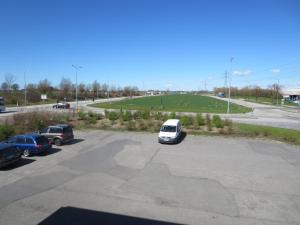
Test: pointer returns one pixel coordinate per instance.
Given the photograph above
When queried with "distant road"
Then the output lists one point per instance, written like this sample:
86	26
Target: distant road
269	115
32	108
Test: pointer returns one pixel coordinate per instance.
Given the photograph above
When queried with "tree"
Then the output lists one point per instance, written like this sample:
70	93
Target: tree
44	86
81	89
65	87
10	79
4	86
96	88
32	93
15	87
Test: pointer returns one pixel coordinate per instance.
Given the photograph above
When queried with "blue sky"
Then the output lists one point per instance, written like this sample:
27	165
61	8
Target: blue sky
153	44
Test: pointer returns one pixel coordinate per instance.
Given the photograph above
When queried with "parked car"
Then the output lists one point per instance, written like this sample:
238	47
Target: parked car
58	134
170	131
30	144
61	105
9	154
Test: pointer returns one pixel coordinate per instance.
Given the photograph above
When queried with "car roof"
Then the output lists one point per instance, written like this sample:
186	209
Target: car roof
61	125
34	135
171	122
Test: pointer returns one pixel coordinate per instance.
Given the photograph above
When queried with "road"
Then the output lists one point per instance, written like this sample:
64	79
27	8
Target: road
269	115
81	105
202	180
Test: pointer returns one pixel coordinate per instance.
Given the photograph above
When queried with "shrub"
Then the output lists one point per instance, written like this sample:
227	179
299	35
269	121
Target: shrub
200	120
158	116
172	115
228	123
142	125
113	116
130	126
82	115
217	121
186	120
145	114
106	113
127	116
208	122
6	131
137	115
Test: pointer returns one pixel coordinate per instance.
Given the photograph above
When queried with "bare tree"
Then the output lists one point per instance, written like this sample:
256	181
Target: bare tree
44	86
65	87
96	88
81	88
10	79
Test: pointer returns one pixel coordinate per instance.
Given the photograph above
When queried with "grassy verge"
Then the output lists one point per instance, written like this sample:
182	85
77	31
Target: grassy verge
175	103
264	100
145	121
273	133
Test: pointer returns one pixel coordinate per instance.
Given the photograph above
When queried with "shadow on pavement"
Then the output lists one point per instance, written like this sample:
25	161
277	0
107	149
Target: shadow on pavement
76	216
74	141
50	152
19	163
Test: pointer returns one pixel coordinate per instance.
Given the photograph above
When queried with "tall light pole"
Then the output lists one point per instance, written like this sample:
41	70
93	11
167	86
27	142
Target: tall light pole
229	84
76	89
25	89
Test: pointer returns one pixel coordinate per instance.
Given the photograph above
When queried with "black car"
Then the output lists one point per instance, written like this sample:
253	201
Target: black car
58	134
9	154
61	105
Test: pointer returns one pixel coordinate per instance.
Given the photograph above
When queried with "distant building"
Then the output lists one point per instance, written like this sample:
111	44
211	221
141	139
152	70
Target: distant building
291	94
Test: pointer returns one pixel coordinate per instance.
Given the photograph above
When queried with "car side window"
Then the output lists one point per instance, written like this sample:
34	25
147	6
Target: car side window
20	140
54	130
29	141
44	130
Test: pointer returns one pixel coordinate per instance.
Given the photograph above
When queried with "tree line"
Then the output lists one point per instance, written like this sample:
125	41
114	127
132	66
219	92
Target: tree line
66	89
272	91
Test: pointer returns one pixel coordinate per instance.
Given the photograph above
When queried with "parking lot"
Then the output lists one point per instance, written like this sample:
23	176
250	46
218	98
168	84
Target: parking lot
202	180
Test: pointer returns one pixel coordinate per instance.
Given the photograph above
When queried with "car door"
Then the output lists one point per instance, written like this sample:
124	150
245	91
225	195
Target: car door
45	132
20	142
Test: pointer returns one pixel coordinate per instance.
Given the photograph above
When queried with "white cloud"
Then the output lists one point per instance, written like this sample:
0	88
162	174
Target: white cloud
242	72
275	70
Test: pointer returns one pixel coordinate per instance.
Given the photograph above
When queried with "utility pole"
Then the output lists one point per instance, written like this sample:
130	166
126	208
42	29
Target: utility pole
277	90
229	82
76	90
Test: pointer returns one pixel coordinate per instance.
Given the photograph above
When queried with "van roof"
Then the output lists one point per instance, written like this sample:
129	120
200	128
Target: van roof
171	122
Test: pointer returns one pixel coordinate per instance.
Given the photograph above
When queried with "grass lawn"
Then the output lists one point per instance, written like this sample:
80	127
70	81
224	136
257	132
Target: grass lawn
175	103
274	133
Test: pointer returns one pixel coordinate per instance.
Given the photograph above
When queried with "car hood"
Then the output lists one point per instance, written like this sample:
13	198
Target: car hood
167	134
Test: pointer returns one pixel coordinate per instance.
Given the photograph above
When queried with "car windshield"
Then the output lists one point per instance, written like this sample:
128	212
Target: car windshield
167	128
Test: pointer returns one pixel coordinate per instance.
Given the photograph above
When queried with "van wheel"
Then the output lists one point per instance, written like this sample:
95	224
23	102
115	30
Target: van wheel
26	153
57	142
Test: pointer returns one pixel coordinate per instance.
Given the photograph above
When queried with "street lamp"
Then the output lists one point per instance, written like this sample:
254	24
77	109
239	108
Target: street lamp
76	68
229	82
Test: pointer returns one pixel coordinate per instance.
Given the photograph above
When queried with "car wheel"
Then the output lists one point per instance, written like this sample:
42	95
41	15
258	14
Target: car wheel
26	153
57	142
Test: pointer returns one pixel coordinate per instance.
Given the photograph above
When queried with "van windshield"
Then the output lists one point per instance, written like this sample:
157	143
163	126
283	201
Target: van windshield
168	129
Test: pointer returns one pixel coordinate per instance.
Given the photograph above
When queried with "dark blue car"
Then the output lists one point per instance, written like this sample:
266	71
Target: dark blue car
30	144
8	154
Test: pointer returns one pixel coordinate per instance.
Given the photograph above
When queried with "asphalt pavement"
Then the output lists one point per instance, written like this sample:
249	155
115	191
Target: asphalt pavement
127	176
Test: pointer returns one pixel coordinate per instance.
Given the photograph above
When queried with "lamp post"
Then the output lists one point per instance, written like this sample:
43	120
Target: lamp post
229	84
76	89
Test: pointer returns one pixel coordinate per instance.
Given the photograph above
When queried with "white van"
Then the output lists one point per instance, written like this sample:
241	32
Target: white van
170	131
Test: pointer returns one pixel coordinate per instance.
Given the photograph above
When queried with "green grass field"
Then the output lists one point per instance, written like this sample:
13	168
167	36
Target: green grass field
175	103
264	100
